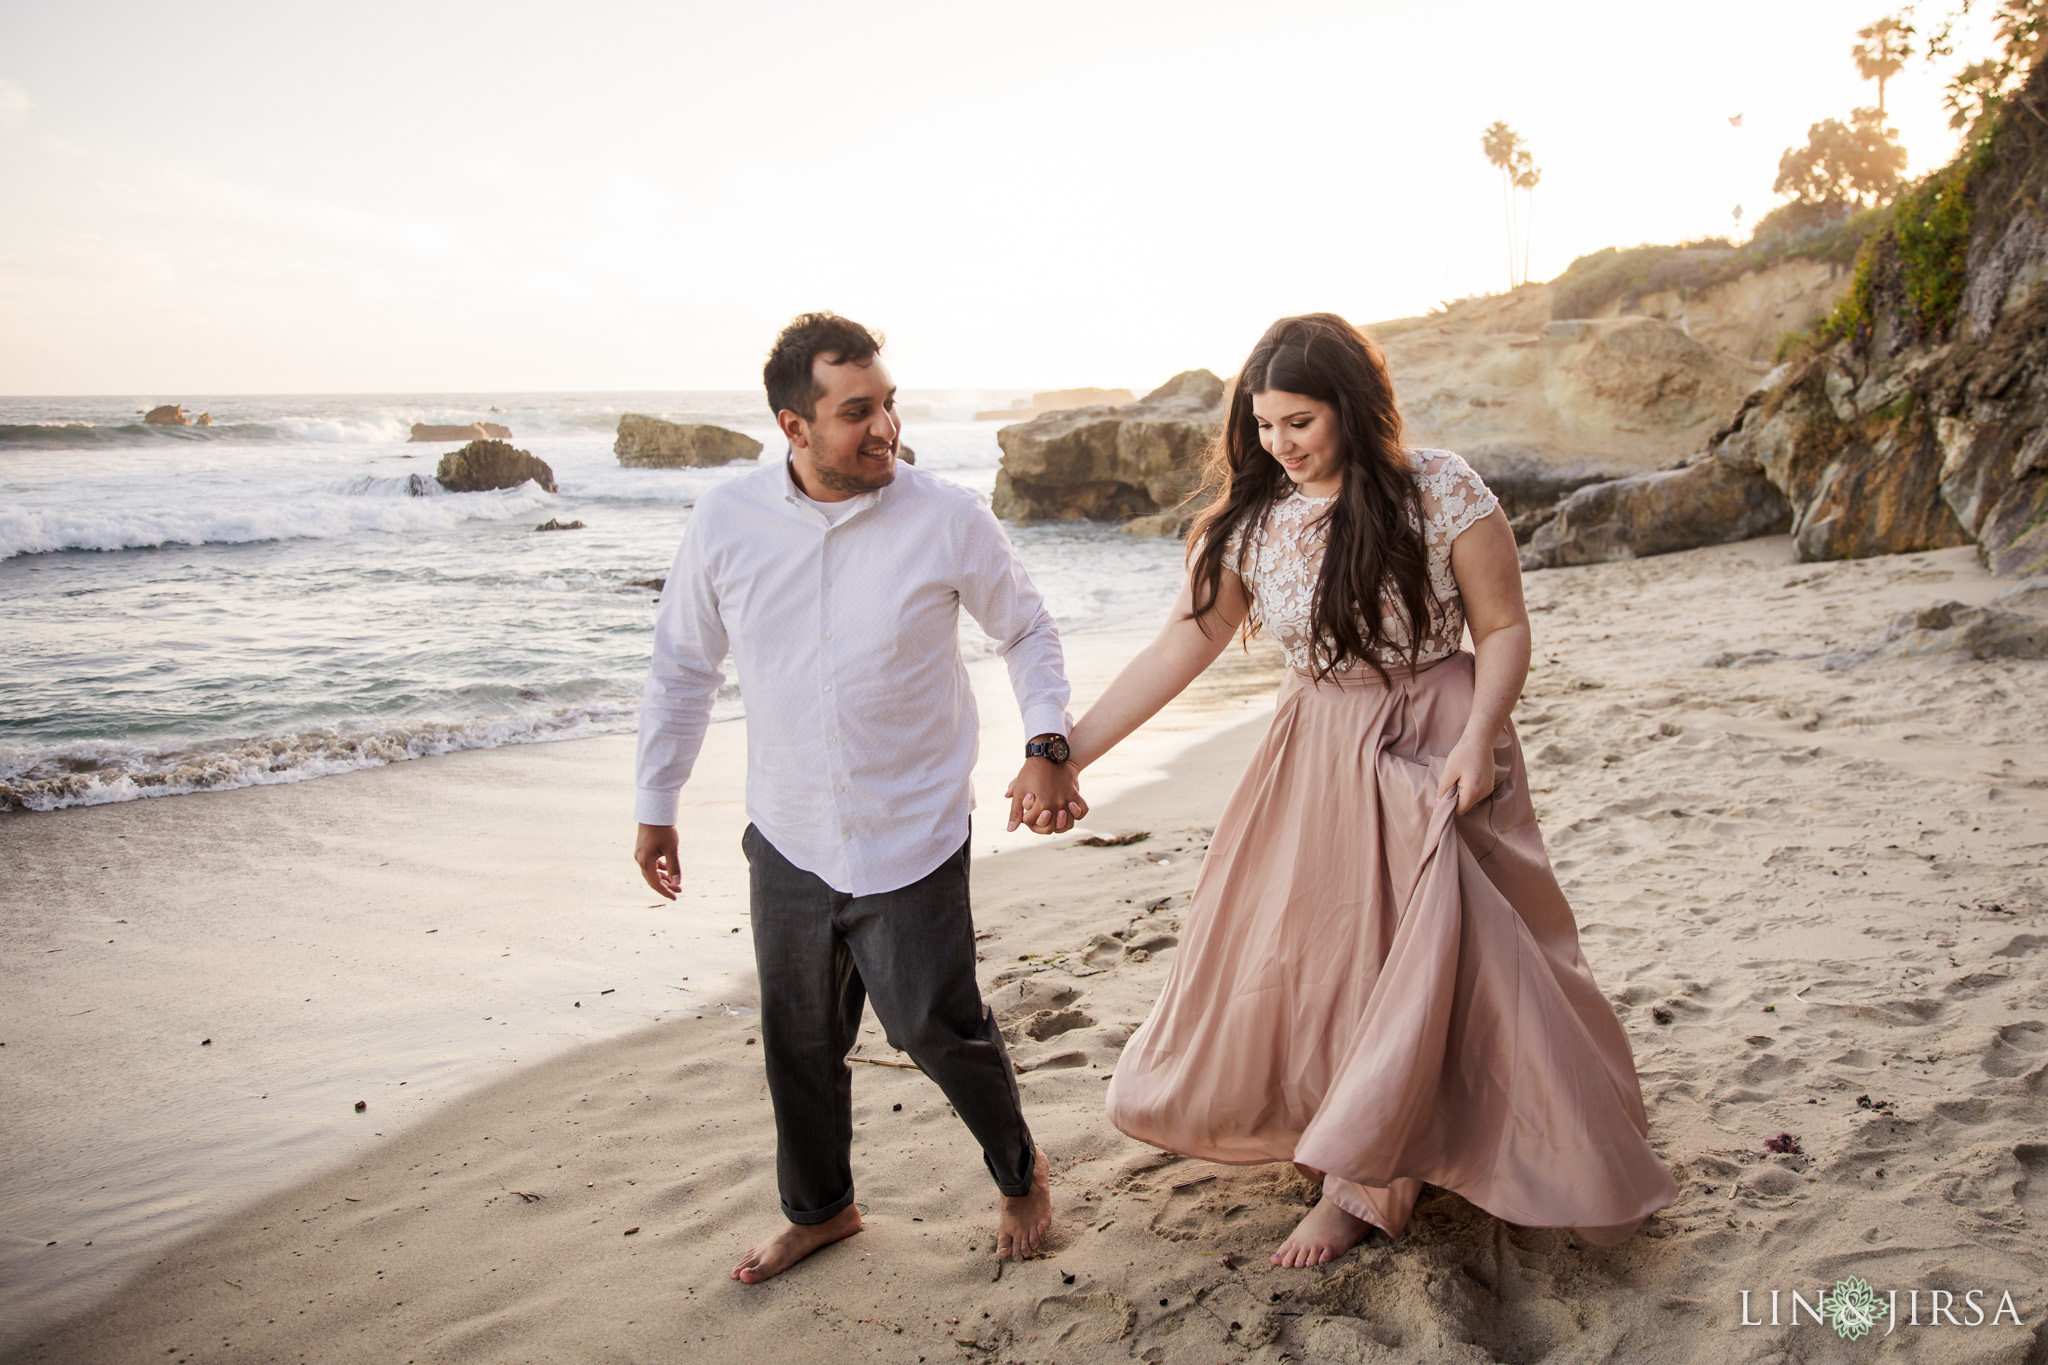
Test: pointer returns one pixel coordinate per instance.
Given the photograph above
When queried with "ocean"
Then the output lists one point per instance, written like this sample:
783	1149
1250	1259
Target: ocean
280	596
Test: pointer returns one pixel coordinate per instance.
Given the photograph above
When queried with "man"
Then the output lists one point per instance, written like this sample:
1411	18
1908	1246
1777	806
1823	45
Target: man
836	578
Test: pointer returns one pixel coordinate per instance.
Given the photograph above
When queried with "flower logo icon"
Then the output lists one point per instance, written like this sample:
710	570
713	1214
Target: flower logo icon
1851	1307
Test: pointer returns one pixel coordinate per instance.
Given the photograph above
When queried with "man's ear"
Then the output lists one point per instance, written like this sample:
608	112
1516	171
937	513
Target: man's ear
795	429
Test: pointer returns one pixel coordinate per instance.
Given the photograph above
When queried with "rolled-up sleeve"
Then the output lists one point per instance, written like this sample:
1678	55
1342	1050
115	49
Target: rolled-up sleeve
687	671
1005	603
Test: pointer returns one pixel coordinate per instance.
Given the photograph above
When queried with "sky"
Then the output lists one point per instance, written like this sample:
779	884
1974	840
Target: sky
431	197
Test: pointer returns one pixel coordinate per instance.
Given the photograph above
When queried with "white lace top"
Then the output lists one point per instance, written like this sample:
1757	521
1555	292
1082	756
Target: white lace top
1285	556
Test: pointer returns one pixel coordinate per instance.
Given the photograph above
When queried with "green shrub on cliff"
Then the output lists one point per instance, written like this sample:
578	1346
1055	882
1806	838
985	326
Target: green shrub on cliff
1916	266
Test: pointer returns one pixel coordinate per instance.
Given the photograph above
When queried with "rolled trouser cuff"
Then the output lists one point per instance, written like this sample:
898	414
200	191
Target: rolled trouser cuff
808	1217
1010	1185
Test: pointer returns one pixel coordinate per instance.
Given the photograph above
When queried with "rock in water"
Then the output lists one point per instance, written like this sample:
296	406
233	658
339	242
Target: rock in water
1139	460
204	419
473	431
557	524
167	415
650	443
482	465
906	454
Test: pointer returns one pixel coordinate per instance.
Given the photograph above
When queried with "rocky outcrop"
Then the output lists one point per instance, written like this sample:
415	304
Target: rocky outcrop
650	443
473	431
1619	394
1709	502
1057	400
169	415
483	465
557	524
1136	460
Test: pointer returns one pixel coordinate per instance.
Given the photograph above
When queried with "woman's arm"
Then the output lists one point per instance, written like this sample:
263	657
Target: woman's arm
1162	670
1175	658
1488	568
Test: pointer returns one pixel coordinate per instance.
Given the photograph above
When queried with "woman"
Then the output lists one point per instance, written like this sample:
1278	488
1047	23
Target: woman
1379	978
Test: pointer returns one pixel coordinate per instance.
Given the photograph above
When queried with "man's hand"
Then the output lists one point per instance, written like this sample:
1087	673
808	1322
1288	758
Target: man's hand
654	848
1045	797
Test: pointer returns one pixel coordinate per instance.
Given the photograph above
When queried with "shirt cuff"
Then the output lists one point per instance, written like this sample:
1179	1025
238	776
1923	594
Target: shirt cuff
655	807
1045	718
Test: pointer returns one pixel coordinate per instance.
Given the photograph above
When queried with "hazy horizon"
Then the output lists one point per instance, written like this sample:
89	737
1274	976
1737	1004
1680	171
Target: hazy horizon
511	200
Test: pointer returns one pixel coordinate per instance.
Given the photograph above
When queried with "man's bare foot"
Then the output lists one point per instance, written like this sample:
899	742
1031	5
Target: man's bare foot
792	1244
1023	1221
1324	1235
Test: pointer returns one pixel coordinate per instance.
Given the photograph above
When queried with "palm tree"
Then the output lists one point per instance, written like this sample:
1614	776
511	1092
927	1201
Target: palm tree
1508	154
1501	143
1883	52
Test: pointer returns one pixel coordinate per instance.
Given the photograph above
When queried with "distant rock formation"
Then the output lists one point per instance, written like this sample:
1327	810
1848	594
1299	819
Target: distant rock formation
905	453
1137	460
484	465
169	415
556	524
1057	400
474	431
650	443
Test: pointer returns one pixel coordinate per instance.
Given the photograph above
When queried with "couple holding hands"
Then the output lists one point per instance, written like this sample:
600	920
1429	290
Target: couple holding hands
1378	977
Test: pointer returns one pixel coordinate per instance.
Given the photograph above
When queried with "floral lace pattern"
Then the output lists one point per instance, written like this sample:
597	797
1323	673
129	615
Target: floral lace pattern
1284	556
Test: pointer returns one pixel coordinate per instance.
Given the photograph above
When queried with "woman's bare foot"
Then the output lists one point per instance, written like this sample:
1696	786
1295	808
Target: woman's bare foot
1022	1223
1309	1173
1324	1235
792	1244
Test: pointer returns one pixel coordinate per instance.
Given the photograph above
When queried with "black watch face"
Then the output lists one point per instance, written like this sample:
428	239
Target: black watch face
1055	748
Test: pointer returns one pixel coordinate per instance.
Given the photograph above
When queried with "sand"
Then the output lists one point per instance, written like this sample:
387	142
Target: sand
1815	896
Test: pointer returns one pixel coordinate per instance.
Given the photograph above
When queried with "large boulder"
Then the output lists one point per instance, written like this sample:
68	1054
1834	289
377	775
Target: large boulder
1709	502
483	465
650	443
1104	463
471	431
168	415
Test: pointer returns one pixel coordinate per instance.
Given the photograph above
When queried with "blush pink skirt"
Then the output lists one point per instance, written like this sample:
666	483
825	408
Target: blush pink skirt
1372	985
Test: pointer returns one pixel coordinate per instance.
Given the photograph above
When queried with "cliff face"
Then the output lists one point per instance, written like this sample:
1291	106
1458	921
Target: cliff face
1921	421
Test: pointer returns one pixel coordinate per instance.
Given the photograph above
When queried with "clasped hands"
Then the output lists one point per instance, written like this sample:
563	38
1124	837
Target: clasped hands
1045	797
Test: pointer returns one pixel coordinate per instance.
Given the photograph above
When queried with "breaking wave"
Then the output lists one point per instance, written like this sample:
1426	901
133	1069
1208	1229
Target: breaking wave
411	504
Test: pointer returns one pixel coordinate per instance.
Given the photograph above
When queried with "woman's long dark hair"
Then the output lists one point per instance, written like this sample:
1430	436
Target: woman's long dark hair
1374	553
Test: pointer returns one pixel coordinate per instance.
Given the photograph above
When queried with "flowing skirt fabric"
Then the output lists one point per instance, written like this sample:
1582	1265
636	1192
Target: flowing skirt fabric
1374	986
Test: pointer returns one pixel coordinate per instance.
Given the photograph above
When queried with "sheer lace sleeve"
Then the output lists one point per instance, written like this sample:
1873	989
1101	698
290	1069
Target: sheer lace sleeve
1453	495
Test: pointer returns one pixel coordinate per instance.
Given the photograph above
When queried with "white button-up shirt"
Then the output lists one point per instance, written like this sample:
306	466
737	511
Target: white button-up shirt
861	725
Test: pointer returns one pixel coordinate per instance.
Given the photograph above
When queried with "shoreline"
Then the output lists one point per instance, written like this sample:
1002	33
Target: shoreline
1814	897
203	987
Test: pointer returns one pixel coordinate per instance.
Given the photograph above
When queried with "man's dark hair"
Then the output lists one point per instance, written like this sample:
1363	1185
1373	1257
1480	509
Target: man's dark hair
787	374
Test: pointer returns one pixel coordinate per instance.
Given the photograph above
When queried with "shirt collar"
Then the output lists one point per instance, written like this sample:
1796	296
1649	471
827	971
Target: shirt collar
795	497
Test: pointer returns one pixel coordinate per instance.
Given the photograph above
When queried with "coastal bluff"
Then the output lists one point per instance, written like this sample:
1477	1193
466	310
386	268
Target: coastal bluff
651	443
1136	463
1914	419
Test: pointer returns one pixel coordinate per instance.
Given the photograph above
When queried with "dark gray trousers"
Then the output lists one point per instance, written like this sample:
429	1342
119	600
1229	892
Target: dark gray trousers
820	954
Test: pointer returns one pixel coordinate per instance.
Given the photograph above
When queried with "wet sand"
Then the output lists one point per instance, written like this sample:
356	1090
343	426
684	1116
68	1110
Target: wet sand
1815	896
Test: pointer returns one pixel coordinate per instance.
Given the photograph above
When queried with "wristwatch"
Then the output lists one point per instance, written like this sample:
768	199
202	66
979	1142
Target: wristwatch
1051	747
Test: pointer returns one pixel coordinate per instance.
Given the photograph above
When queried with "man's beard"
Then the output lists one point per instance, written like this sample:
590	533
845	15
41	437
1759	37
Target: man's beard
853	481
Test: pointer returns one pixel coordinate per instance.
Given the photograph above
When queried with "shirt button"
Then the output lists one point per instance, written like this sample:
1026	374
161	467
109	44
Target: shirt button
830	740
844	838
828	634
839	789
828	687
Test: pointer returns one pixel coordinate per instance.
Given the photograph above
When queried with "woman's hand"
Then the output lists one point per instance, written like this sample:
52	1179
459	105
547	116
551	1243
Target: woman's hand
1469	772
